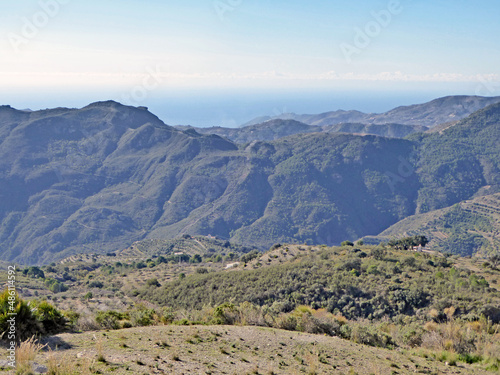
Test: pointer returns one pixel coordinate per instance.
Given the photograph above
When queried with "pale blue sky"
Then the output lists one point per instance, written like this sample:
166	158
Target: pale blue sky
90	50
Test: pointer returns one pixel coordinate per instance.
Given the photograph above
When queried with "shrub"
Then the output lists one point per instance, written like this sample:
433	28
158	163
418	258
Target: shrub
378	253
250	314
196	259
141	316
26	325
110	319
168	315
368	335
347	243
153	282
88	296
34	272
287	322
225	314
249	256
52	320
96	284
55	286
40	318
71	318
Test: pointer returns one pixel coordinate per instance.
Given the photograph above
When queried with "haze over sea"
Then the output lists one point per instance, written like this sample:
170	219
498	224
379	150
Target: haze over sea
233	107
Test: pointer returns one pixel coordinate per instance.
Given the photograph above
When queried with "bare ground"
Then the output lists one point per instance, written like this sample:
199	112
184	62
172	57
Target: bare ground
233	350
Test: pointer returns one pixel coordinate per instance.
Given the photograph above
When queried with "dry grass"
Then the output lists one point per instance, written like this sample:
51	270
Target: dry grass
26	354
100	351
66	365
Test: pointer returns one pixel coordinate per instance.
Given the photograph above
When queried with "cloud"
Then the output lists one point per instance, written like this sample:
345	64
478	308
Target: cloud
179	79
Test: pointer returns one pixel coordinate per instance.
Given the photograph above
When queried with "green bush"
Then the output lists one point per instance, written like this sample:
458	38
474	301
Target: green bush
55	286
110	319
96	284
34	272
141	316
31	319
153	282
249	256
26	324
225	314
52	320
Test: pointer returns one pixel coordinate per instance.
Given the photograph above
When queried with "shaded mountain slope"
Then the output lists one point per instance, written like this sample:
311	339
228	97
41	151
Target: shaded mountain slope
99	178
459	162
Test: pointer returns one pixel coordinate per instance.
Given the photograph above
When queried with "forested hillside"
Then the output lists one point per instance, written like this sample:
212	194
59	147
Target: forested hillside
99	178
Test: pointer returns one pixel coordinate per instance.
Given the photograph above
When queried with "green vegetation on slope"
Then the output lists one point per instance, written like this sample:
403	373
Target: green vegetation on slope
443	308
100	178
371	283
468	228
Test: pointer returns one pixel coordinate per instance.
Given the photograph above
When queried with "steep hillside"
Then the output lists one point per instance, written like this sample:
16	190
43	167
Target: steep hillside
328	187
94	179
438	111
459	162
467	228
99	178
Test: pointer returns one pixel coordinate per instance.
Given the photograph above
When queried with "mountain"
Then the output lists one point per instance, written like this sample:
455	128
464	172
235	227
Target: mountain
469	227
278	128
438	111
266	131
99	178
459	162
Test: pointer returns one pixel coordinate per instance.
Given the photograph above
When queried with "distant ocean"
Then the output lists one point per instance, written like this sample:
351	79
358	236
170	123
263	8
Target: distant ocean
233	108
228	109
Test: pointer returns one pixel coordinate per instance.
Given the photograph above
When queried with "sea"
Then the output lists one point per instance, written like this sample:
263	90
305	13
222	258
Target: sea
231	107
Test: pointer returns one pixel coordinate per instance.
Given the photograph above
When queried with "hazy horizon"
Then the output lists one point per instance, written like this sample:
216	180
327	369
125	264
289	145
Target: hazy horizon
237	107
216	62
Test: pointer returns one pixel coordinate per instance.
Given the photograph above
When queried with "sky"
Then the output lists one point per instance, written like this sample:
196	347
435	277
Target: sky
209	62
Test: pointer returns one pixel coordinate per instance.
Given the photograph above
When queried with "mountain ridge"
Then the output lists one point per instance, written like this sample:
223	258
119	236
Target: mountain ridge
99	178
428	114
277	128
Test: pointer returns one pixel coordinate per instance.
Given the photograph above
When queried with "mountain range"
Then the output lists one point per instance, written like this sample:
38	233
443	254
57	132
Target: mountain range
435	112
99	178
397	123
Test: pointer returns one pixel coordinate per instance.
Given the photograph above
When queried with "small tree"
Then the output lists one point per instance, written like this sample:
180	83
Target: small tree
34	272
153	282
347	243
196	258
494	260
